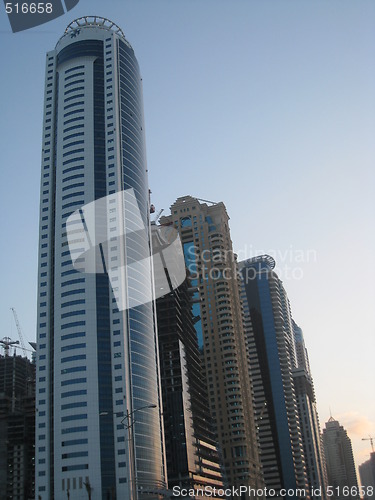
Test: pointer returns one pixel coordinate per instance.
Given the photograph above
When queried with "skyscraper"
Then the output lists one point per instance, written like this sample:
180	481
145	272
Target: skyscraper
191	450
98	406
367	475
341	472
272	355
309	419
205	236
17	427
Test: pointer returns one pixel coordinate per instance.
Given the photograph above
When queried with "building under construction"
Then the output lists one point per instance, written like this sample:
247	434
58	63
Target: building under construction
17	426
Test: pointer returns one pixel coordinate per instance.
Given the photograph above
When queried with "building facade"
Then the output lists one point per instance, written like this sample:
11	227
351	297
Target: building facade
99	429
209	258
367	476
272	359
191	450
17	428
342	477
309	419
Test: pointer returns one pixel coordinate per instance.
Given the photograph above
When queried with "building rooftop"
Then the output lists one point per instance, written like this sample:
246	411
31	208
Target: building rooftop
73	28
94	21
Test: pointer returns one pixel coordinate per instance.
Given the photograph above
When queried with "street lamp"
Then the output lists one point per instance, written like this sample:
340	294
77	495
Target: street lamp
130	421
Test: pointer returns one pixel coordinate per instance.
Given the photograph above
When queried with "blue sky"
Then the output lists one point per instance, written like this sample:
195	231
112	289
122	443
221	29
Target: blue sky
266	105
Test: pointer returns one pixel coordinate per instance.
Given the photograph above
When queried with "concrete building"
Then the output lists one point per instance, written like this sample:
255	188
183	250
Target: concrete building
367	476
205	236
340	462
272	359
98	403
309	419
17	428
191	450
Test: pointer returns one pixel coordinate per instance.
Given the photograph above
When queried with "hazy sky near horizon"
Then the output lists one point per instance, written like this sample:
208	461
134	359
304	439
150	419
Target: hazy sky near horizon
268	106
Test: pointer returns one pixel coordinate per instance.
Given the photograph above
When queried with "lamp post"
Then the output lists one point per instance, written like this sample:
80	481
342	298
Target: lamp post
130	421
88	488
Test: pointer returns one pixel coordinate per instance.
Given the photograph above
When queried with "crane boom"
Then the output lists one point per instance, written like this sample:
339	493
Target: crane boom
19	331
371	439
7	343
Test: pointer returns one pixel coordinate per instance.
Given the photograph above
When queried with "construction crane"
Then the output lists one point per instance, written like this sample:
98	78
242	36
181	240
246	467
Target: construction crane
208	201
157	216
19	331
7	343
371	439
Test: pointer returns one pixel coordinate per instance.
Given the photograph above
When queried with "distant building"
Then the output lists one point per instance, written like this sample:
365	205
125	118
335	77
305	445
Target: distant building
340	461
205	236
309	419
284	400
17	428
272	359
367	476
191	450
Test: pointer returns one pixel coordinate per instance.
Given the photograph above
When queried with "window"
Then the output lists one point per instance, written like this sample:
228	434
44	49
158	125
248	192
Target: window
73	76
74	467
72	160
76	119
77	96
76	167
73	369
72	358
77	404
74	143
73	303
73	282
74	429
74	442
74	83
73	346
70	394
73	292
74	151
73	381
73	90
72	195
81	416
73	127
74	69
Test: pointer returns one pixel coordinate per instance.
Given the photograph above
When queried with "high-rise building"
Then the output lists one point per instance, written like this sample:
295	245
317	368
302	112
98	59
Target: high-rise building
98	420
191	451
309	419
341	472
272	355
205	236
367	476
17	427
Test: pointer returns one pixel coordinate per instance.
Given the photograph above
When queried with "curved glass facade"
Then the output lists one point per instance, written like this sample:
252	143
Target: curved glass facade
101	362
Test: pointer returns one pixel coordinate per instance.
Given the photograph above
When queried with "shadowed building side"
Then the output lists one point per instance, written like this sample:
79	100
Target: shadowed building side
191	450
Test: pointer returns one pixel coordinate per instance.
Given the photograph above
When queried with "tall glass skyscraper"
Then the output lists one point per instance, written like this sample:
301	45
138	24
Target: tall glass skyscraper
98	426
272	354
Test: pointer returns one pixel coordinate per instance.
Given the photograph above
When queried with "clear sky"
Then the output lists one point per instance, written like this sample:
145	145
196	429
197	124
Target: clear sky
266	105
